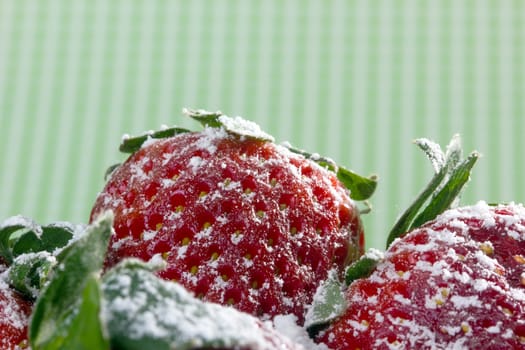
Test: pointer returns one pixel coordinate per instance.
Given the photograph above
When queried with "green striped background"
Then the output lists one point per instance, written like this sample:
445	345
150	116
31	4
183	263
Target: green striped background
354	80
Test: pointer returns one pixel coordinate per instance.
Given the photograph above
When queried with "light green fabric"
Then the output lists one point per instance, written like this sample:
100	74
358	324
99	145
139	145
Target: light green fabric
353	80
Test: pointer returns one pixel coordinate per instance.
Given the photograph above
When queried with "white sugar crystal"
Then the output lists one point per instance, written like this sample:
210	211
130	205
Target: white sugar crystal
244	127
149	141
10	307
149	235
195	163
461	302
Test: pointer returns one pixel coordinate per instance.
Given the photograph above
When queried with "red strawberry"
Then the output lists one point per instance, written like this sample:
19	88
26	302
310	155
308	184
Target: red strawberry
14	318
452	278
238	219
456	282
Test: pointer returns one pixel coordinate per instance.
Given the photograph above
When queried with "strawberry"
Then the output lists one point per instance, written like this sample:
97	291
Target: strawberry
238	219
14	318
451	278
455	282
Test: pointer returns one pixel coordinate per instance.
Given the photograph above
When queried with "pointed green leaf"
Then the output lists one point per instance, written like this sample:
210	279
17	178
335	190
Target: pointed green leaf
54	319
28	242
329	302
133	144
454	152
20	235
29	272
236	126
57	235
204	117
450	191
11	230
85	331
403	223
433	152
442	190
111	169
364	266
360	187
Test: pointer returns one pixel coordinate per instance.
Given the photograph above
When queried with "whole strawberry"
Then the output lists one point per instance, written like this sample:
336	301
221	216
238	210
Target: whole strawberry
14	318
238	219
456	282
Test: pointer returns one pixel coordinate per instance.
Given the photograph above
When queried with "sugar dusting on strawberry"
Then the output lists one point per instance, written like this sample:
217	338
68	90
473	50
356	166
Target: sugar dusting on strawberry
238	219
455	282
14	317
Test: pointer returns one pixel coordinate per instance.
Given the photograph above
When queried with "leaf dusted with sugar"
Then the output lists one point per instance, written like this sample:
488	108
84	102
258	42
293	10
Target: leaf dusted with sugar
143	311
442	191
328	303
70	298
133	144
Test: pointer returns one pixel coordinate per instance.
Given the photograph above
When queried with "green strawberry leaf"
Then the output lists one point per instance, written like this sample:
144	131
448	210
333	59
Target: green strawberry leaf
403	223
26	242
442	191
86	331
20	235
133	144
236	126
206	118
29	272
361	188
111	169
448	193
12	230
433	152
329	302
57	235
364	266
70	300
143	311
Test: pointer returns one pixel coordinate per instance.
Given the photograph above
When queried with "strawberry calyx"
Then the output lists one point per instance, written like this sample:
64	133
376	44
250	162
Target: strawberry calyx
361	188
236	126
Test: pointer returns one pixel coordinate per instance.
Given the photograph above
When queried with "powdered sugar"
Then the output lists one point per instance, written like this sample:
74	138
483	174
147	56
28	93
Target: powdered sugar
181	317
244	127
287	324
9	307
